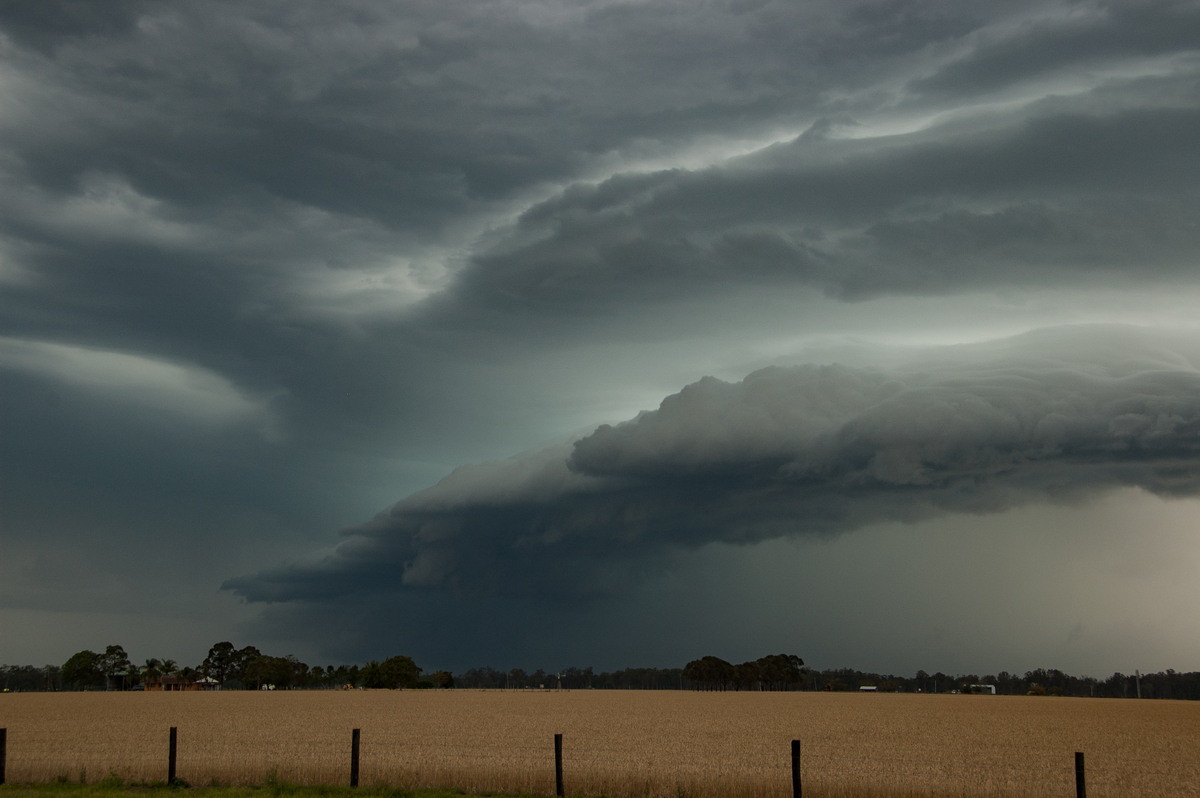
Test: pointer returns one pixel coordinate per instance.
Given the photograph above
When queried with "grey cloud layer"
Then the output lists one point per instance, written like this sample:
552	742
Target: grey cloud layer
266	266
336	140
807	450
270	191
1044	202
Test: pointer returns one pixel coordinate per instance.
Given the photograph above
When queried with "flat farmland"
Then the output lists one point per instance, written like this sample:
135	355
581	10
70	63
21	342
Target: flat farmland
617	743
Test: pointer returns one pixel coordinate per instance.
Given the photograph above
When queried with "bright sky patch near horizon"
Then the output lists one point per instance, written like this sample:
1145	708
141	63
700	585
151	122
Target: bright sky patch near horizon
542	334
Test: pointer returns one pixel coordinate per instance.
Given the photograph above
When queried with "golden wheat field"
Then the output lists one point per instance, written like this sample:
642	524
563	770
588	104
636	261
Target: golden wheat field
733	745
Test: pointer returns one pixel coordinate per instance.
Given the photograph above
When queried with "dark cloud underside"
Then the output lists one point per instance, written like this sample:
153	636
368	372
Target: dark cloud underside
813	450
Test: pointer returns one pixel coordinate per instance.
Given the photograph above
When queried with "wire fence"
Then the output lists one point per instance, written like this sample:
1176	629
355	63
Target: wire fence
672	769
643	745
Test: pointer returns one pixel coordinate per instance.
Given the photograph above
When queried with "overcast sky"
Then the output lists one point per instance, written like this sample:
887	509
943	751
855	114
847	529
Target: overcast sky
613	332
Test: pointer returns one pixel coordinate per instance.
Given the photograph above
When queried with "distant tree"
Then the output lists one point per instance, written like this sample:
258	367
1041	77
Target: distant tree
780	671
347	674
1006	683
371	676
225	663
114	666
83	670
279	673
265	671
747	676
442	680
399	671
300	671
240	665
1053	680
151	670
221	661
577	679
27	678
482	678
709	673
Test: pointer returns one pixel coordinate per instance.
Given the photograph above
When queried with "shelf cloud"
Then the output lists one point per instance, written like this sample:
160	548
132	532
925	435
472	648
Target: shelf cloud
816	450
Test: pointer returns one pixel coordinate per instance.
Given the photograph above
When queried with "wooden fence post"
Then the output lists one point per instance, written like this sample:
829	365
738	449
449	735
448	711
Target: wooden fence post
796	790
3	752
355	737
558	768
1080	782
172	753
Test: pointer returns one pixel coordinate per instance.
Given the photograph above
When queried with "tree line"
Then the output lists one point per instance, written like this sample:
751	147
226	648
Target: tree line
225	665
249	668
773	672
1168	684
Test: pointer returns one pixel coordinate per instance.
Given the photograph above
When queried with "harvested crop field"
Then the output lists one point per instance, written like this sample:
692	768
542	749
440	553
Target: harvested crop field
636	743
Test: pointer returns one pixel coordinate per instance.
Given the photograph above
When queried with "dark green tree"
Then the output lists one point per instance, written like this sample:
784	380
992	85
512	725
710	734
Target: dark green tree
483	678
241	663
83	670
278	673
371	676
399	671
709	673
392	673
578	678
347	675
28	678
748	676
152	669
220	662
780	671
115	665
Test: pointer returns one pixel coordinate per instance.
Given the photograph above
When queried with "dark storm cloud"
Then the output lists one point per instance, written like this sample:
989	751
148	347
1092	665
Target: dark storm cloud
800	451
268	265
48	23
264	191
405	119
1065	38
199	182
1046	202
193	181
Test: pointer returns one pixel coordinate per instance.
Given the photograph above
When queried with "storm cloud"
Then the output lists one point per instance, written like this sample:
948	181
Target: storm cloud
1058	415
1048	200
898	269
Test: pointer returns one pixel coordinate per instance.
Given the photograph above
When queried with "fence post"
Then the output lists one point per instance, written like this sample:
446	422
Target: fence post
1080	782
796	769
558	769
172	753
3	752
354	747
